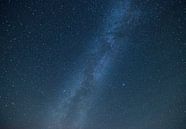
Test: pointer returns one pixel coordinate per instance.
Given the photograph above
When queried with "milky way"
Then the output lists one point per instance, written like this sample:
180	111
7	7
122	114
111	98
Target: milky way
71	112
92	64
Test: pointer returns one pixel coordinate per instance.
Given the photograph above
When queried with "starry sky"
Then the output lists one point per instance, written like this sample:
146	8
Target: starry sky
92	64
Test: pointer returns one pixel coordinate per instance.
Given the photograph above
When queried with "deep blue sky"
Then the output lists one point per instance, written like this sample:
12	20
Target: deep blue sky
92	64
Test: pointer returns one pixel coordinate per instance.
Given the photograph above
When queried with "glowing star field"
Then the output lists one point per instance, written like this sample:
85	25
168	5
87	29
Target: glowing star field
95	64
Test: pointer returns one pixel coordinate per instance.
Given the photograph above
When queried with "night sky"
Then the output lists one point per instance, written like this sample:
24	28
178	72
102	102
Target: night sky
92	64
